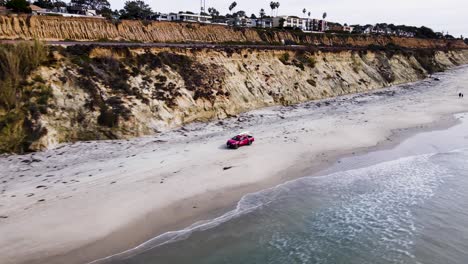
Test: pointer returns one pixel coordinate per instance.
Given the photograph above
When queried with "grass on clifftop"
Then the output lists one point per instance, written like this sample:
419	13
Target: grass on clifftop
20	104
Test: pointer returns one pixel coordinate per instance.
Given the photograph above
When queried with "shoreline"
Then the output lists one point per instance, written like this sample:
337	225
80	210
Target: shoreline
441	147
395	139
332	132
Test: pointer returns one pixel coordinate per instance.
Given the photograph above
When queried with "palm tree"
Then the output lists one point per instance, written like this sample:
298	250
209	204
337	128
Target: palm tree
304	11
232	6
272	6
309	14
324	15
277	7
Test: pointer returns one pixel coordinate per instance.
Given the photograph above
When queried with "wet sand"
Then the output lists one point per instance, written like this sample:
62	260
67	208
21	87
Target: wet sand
88	200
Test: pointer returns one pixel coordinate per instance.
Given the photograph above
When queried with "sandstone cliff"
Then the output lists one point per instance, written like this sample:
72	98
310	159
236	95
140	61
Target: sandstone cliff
109	93
82	29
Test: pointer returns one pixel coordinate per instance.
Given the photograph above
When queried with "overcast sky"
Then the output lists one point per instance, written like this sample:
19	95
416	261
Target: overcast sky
441	15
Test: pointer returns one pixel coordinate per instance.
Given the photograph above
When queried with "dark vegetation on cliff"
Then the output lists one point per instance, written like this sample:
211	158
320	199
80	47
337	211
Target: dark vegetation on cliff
116	72
111	76
425	57
22	102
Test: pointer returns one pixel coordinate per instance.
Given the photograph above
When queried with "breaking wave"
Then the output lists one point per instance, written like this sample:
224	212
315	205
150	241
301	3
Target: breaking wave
371	206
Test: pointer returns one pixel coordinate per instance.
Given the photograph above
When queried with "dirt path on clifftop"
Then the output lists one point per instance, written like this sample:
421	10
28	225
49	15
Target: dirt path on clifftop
208	46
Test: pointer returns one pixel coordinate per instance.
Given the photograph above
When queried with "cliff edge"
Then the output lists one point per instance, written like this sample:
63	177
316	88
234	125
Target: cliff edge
90	93
51	28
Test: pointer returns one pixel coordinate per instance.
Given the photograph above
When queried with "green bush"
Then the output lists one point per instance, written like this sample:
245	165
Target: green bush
16	63
108	118
312	61
284	58
12	133
38	79
306	59
21	6
299	64
18	103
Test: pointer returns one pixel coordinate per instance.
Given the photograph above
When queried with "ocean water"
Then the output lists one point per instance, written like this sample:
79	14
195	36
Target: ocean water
408	204
407	210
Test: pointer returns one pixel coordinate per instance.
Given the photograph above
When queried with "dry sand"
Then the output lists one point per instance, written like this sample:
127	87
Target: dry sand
87	200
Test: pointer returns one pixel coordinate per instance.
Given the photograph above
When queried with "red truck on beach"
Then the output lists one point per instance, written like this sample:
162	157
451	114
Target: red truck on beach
243	139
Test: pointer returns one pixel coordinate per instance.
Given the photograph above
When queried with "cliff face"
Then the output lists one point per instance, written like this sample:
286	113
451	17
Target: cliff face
104	93
58	28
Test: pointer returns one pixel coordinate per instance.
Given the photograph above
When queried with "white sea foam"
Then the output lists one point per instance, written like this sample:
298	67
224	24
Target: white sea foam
372	203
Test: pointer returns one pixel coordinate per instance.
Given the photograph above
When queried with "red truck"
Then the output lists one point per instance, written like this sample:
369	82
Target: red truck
243	139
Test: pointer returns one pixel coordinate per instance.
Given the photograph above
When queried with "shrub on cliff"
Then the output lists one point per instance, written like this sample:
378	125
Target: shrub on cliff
306	58
21	6
19	103
16	63
12	132
284	58
126	75
108	118
426	60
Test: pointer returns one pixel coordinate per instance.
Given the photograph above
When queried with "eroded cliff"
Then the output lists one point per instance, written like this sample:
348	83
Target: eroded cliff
86	29
110	93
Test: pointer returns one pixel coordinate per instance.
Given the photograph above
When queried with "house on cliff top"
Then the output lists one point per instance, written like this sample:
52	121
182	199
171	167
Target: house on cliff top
304	24
182	17
35	10
70	11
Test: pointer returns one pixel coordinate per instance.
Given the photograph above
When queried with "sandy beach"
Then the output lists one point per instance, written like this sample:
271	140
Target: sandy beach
85	201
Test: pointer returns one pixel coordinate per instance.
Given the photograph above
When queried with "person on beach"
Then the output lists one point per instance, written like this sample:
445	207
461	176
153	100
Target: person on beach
460	95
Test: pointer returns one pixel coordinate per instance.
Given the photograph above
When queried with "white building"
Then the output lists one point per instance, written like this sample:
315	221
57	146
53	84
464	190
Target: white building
188	17
368	30
161	17
88	14
242	21
264	23
387	31
288	22
63	11
304	24
250	22
348	29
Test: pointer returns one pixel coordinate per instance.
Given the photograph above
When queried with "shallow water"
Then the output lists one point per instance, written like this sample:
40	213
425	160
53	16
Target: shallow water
391	206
